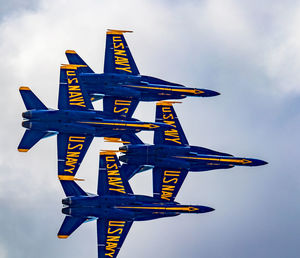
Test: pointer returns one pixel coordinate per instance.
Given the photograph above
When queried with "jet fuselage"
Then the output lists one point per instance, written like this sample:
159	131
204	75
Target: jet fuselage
143	88
192	158
92	122
127	207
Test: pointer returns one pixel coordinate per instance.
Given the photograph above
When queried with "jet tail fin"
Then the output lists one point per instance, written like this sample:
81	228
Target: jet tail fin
30	138
69	225
74	58
30	100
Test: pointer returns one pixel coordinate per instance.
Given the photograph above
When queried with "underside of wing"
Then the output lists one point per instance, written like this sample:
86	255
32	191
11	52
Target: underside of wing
165	113
111	181
123	107
71	149
118	58
110	236
72	96
167	182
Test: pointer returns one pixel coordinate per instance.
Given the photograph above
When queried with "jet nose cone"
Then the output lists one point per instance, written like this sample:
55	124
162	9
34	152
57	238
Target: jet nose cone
258	162
204	209
26	124
211	93
208	209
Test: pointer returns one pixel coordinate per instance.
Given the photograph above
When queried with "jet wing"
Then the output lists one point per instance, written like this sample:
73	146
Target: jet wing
72	96
118	58
71	149
111	180
167	182
110	236
123	107
165	113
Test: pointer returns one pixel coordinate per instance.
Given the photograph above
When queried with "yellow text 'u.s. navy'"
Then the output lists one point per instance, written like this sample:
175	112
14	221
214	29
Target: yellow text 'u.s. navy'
113	174
121	58
114	232
75	145
75	93
168	118
170	180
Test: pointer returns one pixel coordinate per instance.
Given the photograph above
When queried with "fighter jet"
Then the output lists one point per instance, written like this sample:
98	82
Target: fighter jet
121	83
172	157
115	207
75	122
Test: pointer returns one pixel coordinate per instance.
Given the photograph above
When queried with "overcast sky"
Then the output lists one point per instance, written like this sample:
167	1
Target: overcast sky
249	51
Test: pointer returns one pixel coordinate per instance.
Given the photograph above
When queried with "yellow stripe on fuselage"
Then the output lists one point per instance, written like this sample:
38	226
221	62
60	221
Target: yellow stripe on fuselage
122	124
241	161
190	208
194	91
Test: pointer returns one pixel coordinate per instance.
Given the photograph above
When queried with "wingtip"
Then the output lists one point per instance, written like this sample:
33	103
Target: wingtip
23	150
70	52
24	88
62	236
119	32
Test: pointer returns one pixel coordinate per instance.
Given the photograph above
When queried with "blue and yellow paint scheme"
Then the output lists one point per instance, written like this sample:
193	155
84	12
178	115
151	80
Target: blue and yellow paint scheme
121	84
172	157
75	122
115	207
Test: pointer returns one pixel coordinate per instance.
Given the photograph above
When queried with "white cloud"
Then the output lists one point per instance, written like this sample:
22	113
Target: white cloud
211	44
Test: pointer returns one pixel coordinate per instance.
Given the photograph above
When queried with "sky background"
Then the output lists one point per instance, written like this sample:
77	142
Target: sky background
249	51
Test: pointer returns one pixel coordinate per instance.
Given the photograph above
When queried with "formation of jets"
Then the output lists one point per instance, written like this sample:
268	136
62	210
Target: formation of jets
76	123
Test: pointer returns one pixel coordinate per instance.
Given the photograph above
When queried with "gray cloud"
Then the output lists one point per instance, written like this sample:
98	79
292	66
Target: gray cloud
247	51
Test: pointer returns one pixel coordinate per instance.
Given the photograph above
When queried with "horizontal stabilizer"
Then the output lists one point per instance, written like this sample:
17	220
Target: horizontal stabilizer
30	138
128	171
131	139
69	225
30	100
74	58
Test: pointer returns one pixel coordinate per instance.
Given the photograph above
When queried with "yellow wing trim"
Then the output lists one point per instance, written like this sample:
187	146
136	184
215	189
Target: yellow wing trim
66	178
71	66
23	150
117	32
62	236
71	52
167	103
24	88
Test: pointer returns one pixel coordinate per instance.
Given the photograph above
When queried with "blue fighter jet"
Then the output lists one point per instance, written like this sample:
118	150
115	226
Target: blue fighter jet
75	122
171	156
121	83
115	206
